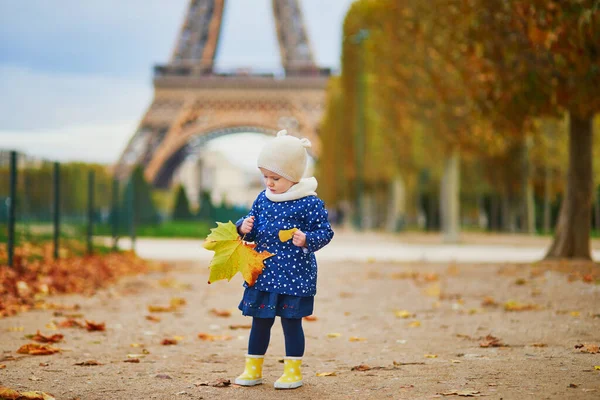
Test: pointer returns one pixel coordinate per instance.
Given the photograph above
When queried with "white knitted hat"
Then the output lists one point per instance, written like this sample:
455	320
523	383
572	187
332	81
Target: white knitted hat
285	155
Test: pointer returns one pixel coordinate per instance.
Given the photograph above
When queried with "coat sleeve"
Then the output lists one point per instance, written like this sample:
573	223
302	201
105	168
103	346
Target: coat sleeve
254	212
319	232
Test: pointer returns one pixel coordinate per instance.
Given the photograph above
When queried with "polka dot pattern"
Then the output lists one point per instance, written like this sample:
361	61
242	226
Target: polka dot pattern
293	270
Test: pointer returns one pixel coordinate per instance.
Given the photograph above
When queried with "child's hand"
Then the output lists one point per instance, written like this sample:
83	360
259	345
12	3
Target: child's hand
299	238
247	226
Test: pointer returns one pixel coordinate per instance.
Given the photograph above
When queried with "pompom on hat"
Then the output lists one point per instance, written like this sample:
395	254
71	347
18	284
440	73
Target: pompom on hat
285	155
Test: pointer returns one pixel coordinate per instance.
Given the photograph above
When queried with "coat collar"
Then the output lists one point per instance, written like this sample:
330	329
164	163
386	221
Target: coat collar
306	187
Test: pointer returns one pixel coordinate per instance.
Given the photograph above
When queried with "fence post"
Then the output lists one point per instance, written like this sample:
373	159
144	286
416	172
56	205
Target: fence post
132	213
12	204
115	214
90	230
56	184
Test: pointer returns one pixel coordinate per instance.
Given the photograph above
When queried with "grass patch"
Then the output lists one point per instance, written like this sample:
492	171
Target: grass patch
169	229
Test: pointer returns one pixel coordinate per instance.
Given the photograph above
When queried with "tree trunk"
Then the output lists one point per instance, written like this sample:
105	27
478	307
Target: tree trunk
450	198
528	223
494	213
572	239
597	212
396	205
547	195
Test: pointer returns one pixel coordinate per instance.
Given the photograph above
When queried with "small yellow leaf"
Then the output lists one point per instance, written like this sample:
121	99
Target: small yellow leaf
136	345
334	335
434	290
357	339
286	235
178	338
597	367
415	324
430	355
404	314
15	329
575	313
326	374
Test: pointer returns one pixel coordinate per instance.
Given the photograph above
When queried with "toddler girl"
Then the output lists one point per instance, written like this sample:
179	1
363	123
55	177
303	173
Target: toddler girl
287	285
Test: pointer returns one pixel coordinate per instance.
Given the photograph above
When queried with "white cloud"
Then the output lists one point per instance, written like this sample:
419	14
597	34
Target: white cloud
89	143
39	100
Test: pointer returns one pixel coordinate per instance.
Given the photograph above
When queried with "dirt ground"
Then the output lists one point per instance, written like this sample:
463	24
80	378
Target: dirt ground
434	351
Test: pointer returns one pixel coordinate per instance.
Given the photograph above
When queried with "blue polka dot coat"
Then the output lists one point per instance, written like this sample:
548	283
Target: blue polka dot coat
293	270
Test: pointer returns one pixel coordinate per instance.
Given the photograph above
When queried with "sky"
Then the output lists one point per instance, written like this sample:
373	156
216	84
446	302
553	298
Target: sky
76	76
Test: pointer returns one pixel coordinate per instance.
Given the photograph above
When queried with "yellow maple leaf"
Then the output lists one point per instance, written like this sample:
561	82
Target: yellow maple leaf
286	235
232	255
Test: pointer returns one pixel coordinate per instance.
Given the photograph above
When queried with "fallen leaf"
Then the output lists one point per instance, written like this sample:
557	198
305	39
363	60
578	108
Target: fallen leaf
464	393
167	342
36	396
588	348
174	284
38	337
433	290
6	393
233	255
575	313
221	383
94	326
404	314
2	366
285	235
221	313
37	349
414	324
88	363
15	328
132	360
136	345
516	306
491	341
326	374
310	318
152	308
152	318
356	339
71	323
431	356
235	327
177	302
334	335
178	338
573	386
539	345
44	364
361	367
213	338
597	367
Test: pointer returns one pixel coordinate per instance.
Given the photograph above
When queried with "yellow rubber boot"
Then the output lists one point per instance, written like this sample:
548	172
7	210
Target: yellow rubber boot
292	375
252	373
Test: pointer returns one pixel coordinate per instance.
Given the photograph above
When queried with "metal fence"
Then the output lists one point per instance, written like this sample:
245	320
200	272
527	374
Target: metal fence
45	201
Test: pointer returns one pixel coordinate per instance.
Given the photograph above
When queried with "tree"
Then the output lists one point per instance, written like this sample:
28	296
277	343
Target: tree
181	209
543	58
137	200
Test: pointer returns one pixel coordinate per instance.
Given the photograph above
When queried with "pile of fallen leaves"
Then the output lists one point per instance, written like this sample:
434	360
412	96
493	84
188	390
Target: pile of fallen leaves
36	274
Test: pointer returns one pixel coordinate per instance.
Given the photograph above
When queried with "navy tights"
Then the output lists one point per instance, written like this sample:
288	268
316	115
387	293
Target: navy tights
261	334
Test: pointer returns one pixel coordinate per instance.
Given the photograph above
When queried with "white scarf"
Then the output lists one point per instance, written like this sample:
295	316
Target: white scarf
306	187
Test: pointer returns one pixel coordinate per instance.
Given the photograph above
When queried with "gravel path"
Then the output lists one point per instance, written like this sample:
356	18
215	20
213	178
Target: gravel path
436	350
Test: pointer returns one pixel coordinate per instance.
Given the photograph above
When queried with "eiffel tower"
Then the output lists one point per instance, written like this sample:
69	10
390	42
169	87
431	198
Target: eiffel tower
193	103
